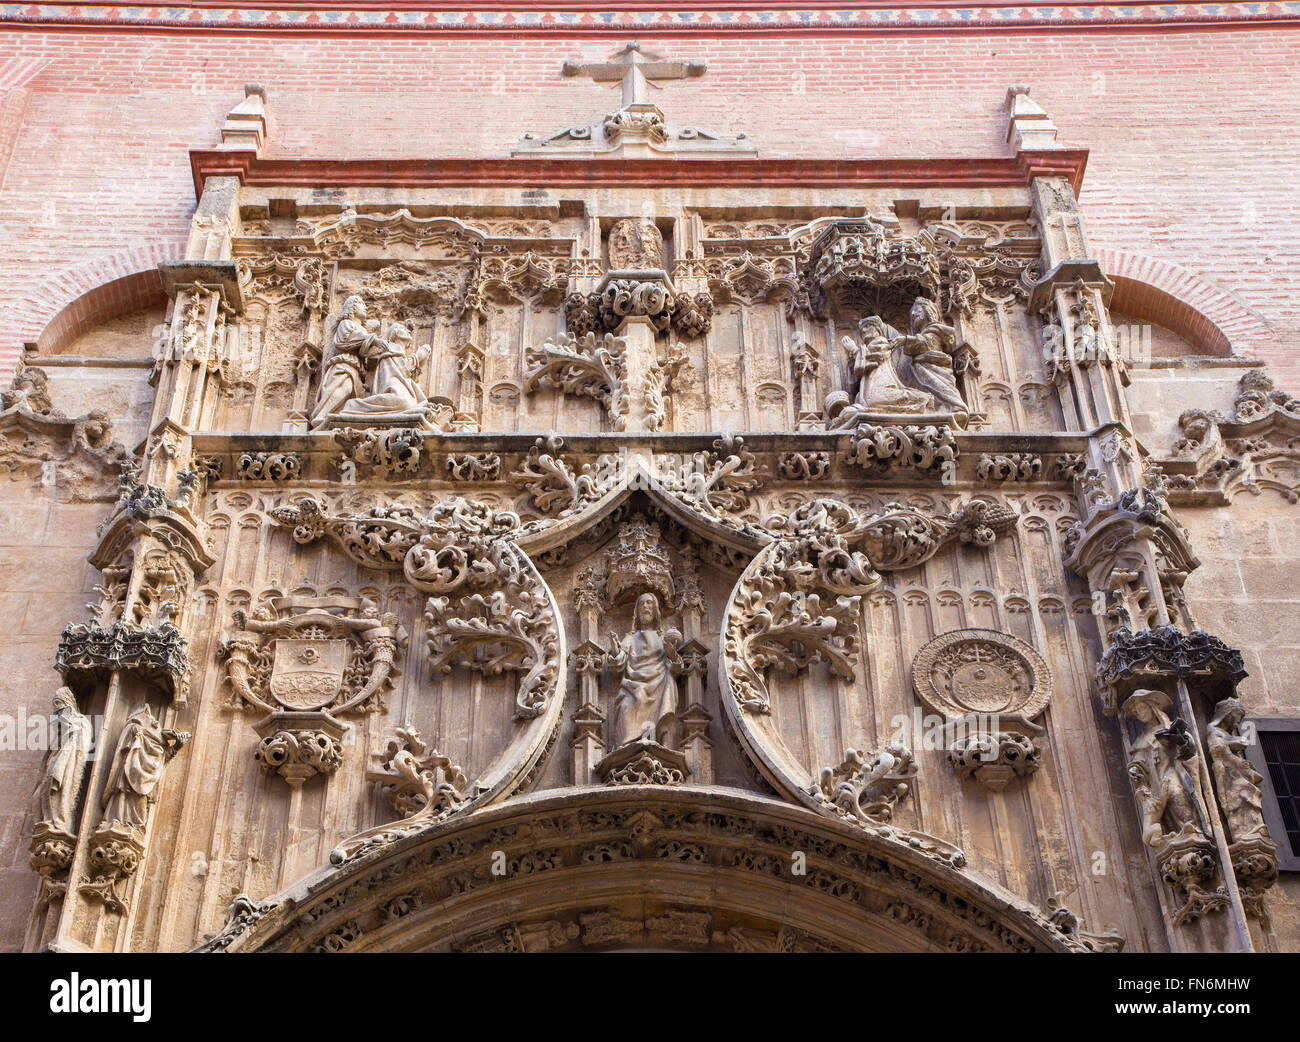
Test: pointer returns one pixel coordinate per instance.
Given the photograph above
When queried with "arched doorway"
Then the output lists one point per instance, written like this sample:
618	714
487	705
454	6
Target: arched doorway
642	867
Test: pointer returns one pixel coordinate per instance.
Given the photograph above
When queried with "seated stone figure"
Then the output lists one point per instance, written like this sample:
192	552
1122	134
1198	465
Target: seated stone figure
344	375
907	374
928	349
393	391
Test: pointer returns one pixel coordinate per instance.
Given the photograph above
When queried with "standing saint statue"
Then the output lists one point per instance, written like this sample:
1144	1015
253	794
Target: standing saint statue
1236	779
1161	766
143	751
55	799
343	378
645	707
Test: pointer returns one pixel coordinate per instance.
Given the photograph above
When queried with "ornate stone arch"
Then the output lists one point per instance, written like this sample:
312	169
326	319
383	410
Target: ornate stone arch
641	867
746	540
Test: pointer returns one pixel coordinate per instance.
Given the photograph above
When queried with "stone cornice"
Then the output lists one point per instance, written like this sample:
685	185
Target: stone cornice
1000	171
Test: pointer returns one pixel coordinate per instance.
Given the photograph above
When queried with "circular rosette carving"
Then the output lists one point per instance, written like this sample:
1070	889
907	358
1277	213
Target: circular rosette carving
977	672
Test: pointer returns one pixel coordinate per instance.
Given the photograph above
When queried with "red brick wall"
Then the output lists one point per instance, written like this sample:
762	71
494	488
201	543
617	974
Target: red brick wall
1192	175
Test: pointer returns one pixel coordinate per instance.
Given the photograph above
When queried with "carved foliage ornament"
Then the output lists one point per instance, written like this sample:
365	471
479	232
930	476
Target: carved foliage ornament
488	610
798	602
1258	449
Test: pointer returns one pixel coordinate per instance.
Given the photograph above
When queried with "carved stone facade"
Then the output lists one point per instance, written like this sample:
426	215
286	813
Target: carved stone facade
786	556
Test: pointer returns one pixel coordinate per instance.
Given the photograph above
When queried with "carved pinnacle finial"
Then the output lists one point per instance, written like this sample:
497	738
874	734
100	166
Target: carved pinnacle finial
1029	128
245	126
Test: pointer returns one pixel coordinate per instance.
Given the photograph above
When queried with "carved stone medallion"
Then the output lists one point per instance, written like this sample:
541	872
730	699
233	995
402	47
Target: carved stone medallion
988	686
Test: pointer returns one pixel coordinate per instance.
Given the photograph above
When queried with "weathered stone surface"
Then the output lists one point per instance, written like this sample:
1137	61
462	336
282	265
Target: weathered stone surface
645	534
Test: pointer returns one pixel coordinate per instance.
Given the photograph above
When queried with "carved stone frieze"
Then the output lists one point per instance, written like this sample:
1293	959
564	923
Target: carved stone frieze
997	468
268	466
391	452
804	466
553	487
474	466
487	610
908	447
798	602
892	882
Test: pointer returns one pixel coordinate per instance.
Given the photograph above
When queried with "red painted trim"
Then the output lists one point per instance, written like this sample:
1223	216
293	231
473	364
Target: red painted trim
1017	170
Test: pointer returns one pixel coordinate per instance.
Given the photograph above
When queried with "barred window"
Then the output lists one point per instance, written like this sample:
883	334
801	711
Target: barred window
1276	755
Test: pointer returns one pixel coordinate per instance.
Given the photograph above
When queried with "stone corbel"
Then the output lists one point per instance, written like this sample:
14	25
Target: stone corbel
39	442
885	449
1257	449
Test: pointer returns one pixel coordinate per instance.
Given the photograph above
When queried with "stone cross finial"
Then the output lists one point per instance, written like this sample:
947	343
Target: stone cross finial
637	69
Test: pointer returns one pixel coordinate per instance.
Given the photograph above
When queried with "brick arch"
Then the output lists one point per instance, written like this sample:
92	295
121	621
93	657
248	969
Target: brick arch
62	307
1206	316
